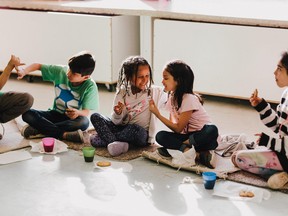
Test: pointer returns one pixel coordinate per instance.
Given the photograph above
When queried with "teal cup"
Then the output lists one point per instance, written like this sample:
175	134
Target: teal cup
209	179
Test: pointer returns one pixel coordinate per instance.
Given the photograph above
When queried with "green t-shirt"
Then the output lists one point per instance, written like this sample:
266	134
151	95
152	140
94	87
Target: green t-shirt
84	96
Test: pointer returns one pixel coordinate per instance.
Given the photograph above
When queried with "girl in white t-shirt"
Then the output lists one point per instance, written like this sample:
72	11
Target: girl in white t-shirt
131	122
190	124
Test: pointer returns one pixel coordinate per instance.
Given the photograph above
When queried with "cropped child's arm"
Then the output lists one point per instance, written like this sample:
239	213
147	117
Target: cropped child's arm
14	62
176	127
33	67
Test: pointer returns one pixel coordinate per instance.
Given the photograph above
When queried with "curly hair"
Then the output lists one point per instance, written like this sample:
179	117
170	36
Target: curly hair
128	71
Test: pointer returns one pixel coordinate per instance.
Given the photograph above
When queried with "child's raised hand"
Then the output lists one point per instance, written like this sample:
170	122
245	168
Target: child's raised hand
254	99
153	108
20	73
118	108
15	61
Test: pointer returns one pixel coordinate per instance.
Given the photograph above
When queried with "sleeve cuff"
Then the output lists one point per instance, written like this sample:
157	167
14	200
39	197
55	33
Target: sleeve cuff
261	105
264	140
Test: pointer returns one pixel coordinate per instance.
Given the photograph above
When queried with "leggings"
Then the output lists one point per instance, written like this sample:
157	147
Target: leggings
108	132
202	140
261	162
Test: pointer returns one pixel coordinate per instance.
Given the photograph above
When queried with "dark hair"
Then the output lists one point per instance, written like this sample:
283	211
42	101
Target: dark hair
284	60
82	63
184	76
128	69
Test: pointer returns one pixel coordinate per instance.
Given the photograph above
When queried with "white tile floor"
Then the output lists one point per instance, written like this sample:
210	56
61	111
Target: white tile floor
64	184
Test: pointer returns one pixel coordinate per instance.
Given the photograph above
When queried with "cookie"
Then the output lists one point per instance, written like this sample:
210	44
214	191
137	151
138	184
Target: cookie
244	193
103	163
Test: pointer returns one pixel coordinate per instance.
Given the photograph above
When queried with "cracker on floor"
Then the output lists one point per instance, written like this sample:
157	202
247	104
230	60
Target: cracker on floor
103	163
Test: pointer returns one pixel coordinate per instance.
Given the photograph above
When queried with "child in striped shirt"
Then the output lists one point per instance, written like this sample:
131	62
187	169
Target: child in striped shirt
270	162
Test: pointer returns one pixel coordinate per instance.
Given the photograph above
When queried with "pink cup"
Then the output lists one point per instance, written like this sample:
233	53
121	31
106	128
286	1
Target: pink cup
48	144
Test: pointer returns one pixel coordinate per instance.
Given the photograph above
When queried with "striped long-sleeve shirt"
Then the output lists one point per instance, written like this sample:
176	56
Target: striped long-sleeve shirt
277	121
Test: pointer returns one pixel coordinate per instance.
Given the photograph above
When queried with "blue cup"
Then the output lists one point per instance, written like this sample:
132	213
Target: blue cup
209	179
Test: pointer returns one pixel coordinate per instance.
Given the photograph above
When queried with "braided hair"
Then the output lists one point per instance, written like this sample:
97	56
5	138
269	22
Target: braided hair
128	71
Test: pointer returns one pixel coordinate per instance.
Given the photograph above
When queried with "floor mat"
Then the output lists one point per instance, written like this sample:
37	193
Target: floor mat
251	179
132	153
12	139
224	169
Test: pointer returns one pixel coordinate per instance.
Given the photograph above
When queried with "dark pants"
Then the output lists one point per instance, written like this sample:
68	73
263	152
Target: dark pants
108	132
13	104
54	124
203	140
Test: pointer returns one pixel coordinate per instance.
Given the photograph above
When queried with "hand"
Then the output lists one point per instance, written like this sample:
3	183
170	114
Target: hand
20	73
153	108
258	137
254	99
118	108
15	61
72	113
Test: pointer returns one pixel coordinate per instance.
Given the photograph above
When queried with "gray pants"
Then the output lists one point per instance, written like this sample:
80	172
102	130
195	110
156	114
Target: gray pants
14	104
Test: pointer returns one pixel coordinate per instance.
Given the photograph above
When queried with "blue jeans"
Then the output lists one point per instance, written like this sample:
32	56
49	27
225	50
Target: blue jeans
108	132
54	124
203	140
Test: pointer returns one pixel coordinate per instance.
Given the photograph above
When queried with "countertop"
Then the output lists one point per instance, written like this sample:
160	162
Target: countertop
267	13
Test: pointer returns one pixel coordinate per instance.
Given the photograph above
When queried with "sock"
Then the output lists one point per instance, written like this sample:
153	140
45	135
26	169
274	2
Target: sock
117	148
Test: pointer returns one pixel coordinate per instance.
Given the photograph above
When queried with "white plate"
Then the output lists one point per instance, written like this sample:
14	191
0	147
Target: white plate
58	147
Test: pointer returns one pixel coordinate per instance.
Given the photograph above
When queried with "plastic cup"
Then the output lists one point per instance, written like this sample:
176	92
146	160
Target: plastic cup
48	144
209	179
88	153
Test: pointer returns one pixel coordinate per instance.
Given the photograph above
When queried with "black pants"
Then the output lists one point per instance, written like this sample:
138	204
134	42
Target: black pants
203	140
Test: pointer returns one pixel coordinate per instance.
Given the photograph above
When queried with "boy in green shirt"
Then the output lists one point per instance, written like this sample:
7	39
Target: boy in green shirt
75	95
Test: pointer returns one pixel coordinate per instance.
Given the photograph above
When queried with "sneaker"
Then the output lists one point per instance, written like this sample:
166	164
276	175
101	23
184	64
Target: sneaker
278	180
117	148
31	133
207	158
162	152
74	136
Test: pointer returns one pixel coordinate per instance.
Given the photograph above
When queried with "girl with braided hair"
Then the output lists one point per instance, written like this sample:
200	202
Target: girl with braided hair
130	123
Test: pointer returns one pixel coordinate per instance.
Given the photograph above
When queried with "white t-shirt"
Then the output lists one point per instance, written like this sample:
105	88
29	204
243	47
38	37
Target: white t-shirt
198	118
136	111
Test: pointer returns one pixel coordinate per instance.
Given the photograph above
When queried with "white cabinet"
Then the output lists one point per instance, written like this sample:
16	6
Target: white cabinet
52	38
227	60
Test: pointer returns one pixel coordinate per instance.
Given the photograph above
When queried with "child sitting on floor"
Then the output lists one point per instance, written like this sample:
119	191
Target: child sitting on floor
190	124
75	95
131	123
272	162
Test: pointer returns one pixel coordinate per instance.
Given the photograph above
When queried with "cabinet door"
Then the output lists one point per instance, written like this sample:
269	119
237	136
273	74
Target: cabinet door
52	38
227	60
